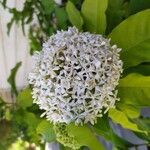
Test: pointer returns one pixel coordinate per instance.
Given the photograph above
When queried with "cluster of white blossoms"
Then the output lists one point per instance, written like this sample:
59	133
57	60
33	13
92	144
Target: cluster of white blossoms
75	76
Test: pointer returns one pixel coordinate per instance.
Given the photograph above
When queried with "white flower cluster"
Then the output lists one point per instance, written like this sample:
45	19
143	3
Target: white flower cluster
75	76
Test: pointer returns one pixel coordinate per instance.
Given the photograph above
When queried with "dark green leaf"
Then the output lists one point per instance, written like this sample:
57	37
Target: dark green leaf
143	69
62	17
74	15
48	6
9	25
143	123
143	136
133	36
11	78
94	15
103	128
138	5
26	123
115	14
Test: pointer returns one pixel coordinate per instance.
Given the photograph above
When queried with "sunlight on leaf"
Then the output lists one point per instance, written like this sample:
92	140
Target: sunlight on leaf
133	36
85	136
94	15
134	89
74	15
120	118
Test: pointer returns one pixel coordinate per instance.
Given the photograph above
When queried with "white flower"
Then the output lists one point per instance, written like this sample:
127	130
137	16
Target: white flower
75	76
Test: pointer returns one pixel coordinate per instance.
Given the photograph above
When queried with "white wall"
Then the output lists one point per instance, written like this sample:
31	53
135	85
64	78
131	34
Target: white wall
13	48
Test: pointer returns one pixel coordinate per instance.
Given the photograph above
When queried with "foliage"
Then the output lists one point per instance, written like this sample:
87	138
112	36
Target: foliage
127	23
45	129
94	15
137	43
11	78
84	135
133	89
74	15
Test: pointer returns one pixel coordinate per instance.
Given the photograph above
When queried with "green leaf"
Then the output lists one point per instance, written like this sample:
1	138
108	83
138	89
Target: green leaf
141	69
143	136
120	118
130	110
24	98
34	42
94	16
133	36
115	14
48	6
31	120
85	136
74	15
26	122
9	26
45	129
134	89
103	128
11	78
138	5
62	17
143	123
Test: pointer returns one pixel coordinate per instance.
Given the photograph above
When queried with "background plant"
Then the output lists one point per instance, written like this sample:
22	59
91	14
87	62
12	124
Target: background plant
127	23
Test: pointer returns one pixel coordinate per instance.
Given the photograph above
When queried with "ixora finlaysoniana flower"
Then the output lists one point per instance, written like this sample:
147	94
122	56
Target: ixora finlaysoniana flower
75	76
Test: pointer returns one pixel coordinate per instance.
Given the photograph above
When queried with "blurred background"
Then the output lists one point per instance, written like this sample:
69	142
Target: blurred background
24	26
14	48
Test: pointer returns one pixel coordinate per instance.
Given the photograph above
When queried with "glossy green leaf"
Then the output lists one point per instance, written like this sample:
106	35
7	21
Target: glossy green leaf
133	36
45	129
74	15
85	136
120	118
130	110
94	16
11	78
24	98
134	89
